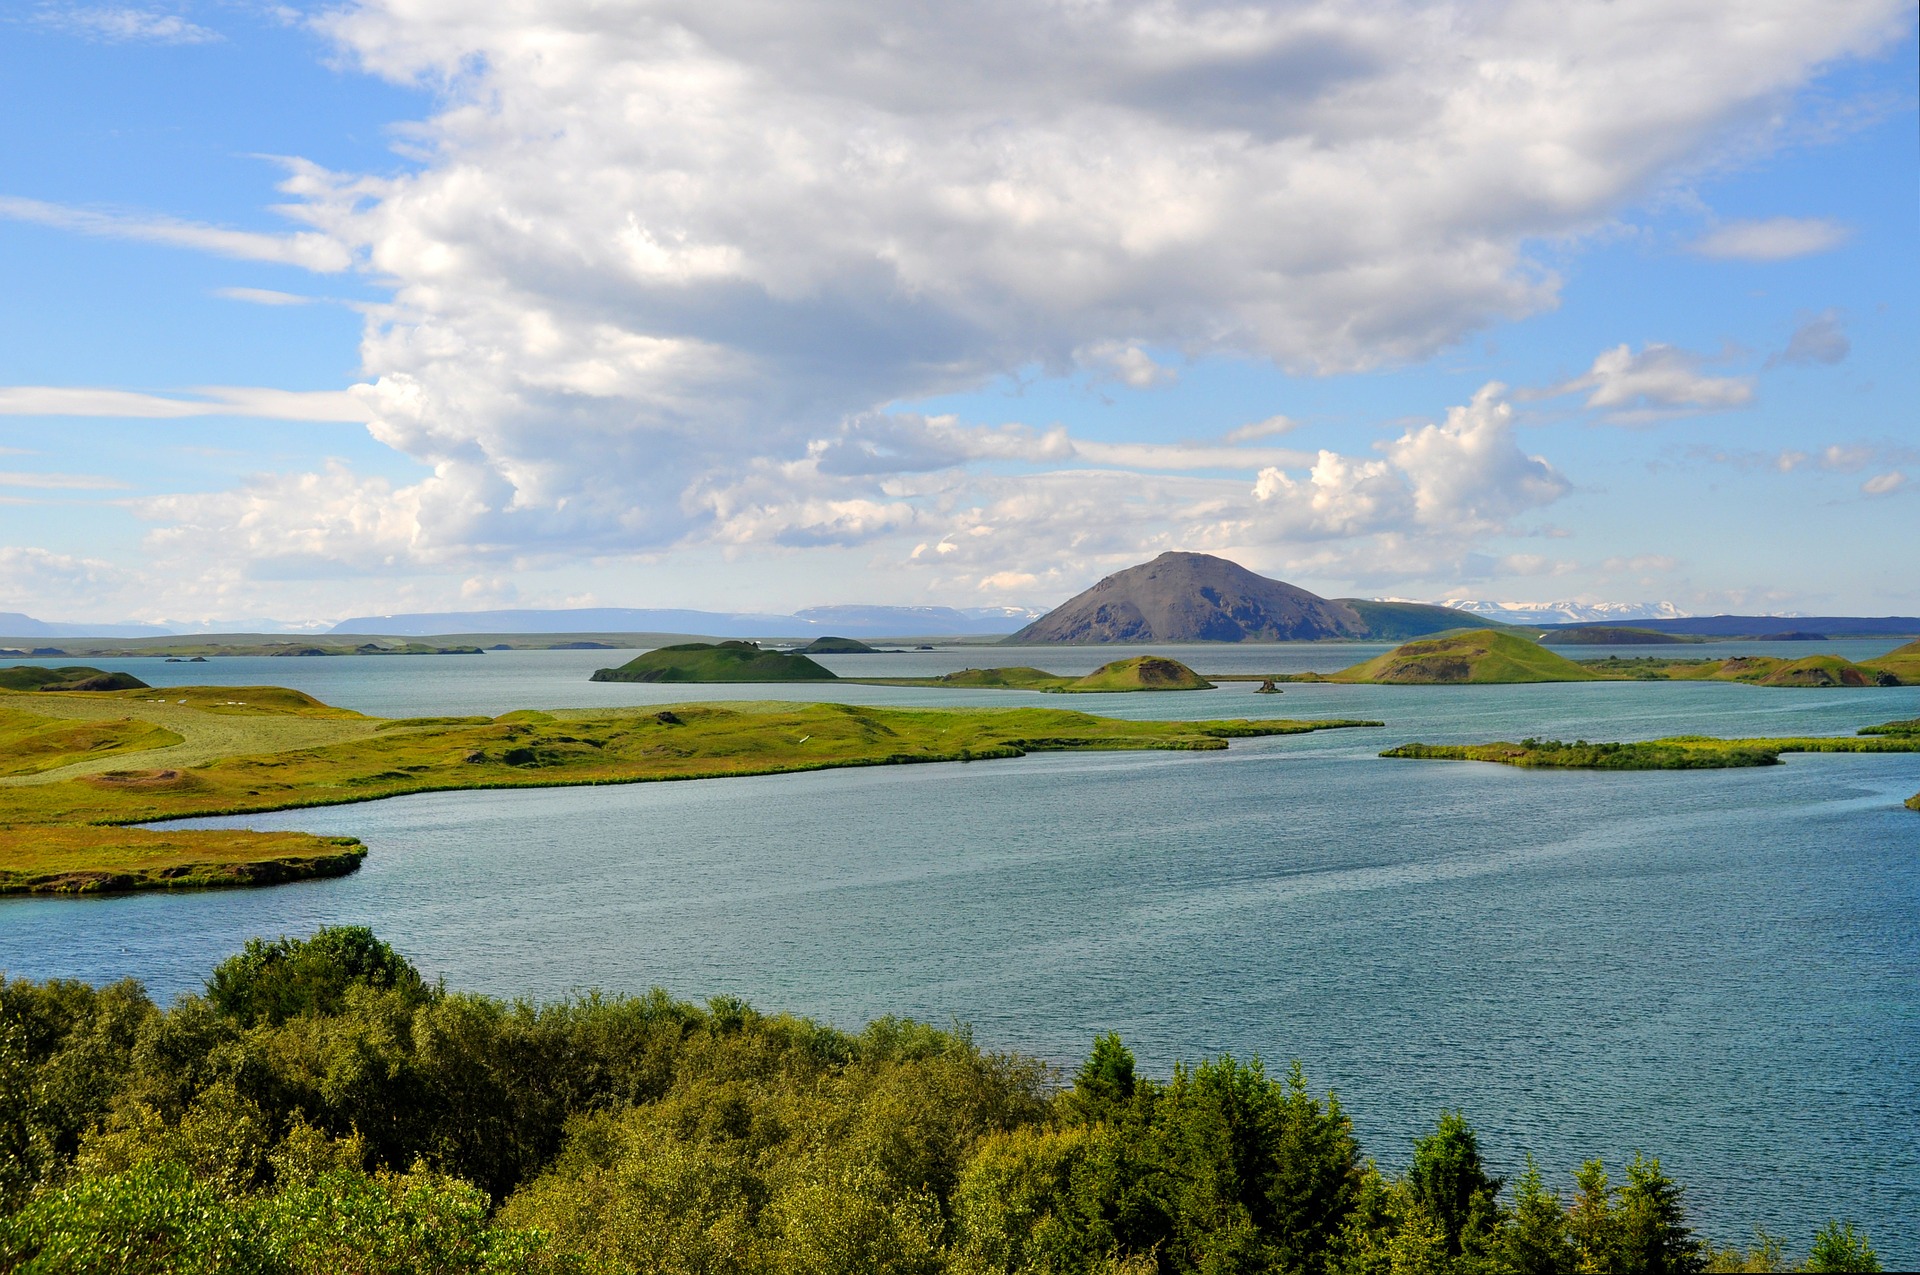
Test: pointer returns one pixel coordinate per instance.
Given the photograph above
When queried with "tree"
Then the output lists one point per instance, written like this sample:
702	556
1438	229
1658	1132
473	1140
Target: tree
1535	1239
1653	1236
1839	1247
1449	1181
290	978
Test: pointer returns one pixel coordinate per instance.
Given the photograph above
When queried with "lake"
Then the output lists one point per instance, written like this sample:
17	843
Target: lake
1718	968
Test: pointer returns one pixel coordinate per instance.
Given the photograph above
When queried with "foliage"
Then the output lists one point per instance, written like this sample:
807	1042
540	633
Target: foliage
322	1108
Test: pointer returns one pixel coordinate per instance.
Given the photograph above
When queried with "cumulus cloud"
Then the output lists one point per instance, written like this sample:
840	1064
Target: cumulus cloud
1659	381
1774	239
1821	338
654	252
32	577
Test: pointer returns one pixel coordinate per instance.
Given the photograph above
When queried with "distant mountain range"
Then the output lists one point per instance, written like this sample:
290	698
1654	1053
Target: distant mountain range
837	621
14	624
1569	612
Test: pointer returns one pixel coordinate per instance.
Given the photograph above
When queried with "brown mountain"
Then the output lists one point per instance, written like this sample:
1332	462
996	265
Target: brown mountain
1194	597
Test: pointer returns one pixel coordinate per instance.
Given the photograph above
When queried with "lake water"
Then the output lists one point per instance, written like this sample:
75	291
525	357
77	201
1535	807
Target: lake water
1720	968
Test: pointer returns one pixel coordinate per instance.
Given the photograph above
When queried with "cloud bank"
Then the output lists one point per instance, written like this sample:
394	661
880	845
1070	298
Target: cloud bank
665	270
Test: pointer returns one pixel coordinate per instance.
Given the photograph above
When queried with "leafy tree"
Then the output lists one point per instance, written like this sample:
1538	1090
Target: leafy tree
1838	1247
1104	1083
286	978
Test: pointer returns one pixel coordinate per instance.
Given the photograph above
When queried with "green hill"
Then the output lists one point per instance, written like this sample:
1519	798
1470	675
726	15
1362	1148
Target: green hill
1479	657
1142	673
711	662
75	677
1903	662
836	646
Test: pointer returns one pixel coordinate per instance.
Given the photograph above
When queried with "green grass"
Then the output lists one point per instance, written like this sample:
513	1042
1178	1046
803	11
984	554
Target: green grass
1896	668
1480	657
87	860
711	662
1141	673
31	743
256	749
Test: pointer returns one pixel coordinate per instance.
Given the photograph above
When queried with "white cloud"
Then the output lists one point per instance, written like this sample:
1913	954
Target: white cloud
211	400
1774	239
58	482
124	26
1126	363
310	250
1882	484
1820	338
262	296
1658	381
32	577
1271	427
662	265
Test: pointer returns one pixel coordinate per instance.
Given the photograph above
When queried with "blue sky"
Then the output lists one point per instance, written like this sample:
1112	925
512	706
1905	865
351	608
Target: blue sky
734	306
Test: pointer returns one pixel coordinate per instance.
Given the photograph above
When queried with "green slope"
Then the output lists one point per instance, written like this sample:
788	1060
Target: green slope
710	662
1903	662
1399	621
75	677
1480	657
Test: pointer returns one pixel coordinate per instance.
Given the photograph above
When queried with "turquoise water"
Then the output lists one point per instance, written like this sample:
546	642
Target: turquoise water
1722	969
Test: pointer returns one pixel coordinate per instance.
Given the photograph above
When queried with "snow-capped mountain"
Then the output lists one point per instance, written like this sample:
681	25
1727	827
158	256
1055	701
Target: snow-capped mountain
1568	612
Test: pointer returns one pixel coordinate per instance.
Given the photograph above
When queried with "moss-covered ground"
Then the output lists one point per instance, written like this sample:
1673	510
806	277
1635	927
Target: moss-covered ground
255	749
94	860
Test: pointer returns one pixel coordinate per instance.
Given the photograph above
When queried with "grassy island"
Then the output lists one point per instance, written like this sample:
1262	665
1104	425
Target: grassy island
1141	673
1679	752
90	763
715	662
1617	635
1478	657
323	1108
836	646
74	677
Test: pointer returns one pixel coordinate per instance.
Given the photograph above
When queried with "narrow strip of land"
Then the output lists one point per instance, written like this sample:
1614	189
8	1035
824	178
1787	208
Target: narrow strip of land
1679	752
209	751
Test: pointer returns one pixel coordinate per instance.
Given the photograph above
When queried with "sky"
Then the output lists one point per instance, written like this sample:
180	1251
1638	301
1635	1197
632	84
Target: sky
313	311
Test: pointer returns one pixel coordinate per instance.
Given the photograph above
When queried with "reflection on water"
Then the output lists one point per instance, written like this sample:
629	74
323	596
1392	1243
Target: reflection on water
1719	968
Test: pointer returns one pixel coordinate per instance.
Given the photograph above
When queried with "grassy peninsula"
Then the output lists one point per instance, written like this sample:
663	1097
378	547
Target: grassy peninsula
716	662
1489	657
1140	673
110	759
1678	752
323	1108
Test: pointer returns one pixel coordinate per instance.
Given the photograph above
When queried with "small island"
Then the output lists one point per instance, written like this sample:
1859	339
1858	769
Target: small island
836	646
716	662
1140	673
74	677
